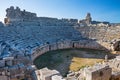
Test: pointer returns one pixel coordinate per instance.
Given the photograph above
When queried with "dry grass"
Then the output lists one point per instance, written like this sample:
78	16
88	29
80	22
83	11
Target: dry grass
78	63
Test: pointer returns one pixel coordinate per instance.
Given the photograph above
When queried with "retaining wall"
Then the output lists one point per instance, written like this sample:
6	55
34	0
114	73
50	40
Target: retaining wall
69	44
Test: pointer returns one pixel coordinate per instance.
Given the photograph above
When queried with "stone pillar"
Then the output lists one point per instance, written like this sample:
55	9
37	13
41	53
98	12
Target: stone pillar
106	58
88	18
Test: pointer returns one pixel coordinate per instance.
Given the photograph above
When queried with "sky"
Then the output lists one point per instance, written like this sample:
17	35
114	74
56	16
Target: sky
101	10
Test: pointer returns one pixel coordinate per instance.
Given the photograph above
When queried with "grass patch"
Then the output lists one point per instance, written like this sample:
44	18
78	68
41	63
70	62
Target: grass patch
78	63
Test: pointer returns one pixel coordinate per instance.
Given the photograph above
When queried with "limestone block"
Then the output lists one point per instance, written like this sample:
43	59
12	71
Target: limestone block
100	72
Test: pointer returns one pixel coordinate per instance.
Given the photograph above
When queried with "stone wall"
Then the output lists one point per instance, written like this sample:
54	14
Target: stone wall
98	72
92	45
56	22
104	33
49	47
69	44
18	15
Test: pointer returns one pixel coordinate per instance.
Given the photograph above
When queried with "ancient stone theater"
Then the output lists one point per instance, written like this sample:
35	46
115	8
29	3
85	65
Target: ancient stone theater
25	37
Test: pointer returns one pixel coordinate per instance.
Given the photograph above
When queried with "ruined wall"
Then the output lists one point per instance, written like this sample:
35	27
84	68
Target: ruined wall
49	47
16	15
48	21
98	72
68	44
102	33
90	45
